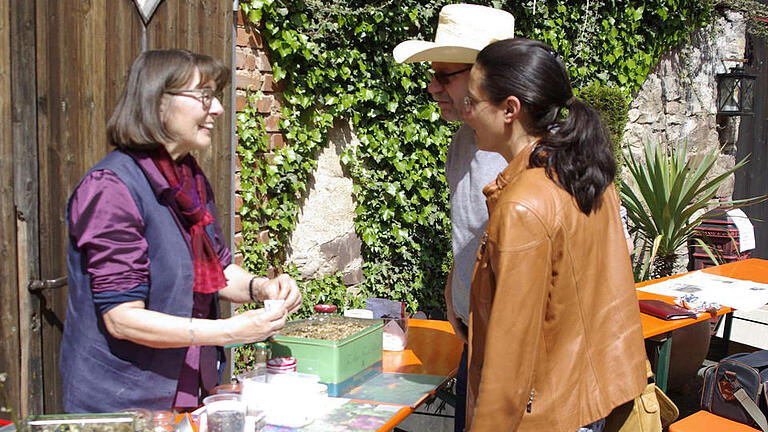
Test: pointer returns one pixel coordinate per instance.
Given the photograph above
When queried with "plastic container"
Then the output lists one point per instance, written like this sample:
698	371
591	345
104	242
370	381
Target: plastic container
225	413
339	364
233	388
291	403
395	334
257	374
103	422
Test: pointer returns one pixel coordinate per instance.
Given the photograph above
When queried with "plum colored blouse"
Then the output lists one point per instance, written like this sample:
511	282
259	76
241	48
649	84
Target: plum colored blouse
107	225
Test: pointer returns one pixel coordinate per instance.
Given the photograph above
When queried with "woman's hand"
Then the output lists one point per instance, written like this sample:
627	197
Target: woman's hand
282	287
240	281
255	325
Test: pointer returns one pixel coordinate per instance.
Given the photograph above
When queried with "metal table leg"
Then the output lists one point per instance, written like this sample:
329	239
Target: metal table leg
727	332
662	364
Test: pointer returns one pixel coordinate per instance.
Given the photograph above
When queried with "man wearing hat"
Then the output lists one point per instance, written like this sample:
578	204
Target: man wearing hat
462	31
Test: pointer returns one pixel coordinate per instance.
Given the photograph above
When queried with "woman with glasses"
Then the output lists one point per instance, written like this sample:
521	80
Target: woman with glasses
555	336
147	258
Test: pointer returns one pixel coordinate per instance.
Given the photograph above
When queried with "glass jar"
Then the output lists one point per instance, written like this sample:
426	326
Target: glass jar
143	419
162	421
224	413
324	312
261	354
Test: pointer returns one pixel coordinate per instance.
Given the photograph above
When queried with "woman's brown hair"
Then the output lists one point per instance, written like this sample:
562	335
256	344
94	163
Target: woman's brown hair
136	123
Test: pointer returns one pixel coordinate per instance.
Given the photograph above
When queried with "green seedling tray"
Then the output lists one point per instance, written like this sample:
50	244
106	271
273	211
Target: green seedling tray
333	361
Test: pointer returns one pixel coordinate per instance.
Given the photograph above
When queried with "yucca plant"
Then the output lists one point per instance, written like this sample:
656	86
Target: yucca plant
669	200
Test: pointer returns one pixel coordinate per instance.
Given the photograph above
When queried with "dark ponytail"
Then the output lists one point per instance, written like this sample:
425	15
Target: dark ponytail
577	148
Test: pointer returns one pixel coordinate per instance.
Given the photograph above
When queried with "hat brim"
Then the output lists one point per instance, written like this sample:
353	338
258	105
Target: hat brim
419	51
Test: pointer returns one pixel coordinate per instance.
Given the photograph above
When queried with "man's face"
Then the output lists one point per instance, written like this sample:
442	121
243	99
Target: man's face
448	87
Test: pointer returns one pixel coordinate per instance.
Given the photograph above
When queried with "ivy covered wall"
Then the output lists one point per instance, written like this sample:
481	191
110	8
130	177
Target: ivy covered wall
332	60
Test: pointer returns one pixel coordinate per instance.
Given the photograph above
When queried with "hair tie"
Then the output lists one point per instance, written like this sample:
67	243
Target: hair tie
570	101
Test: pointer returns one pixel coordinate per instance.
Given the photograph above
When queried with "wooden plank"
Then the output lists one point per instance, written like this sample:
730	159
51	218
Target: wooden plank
123	45
204	26
81	72
71	127
54	44
25	184
9	311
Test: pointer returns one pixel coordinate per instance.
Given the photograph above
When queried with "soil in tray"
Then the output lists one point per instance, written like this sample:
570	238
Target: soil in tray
334	328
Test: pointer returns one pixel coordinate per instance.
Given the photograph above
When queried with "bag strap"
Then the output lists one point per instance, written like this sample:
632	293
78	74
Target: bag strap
751	408
747	403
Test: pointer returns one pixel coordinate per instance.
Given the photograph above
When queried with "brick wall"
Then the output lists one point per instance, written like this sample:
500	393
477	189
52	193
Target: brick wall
253	72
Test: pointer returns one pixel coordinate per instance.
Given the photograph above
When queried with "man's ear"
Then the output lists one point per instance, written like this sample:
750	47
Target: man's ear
513	107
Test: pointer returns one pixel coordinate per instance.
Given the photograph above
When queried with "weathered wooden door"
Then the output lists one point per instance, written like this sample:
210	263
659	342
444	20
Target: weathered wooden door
752	180
66	61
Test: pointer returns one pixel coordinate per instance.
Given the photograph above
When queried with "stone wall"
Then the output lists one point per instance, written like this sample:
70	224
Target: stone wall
677	102
675	105
324	241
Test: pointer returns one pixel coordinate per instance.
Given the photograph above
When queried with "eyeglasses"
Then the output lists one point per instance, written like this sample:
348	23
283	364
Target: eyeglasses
445	78
469	103
204	95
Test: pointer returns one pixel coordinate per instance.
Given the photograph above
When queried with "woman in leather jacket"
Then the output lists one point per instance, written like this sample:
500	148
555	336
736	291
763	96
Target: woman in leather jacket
555	335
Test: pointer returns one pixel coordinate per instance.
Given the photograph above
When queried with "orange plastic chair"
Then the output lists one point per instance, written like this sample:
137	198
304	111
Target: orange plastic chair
705	421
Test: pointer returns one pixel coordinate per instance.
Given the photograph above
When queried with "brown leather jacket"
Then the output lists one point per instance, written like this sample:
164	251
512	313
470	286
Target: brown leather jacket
556	341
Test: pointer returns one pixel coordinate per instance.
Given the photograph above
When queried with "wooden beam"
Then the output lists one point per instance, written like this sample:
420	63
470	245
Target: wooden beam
25	193
9	310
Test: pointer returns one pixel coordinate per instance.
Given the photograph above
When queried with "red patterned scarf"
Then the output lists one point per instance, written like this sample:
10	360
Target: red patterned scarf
188	188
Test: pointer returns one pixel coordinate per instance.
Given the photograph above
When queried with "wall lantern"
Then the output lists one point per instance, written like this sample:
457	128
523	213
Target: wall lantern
735	90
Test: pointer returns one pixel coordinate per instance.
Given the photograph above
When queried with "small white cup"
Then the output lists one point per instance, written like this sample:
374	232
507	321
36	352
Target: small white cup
271	304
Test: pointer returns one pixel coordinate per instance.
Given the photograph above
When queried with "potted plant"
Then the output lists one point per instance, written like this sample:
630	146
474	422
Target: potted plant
670	197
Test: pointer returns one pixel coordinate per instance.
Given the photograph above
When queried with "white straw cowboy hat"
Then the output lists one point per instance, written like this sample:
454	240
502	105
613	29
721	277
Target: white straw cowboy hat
462	31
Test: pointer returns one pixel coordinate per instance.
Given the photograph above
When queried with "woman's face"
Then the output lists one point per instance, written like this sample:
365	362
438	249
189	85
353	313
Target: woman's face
484	116
188	115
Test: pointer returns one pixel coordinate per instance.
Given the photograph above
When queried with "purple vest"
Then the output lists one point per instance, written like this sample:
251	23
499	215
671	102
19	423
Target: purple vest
103	374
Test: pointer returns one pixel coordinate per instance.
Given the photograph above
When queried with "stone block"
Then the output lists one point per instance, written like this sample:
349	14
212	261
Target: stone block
240	103
238	240
262	62
239	259
238	223
240	59
276	141
272	123
238	202
263	237
250	61
249	81
265	104
250	38
269	84
324	241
